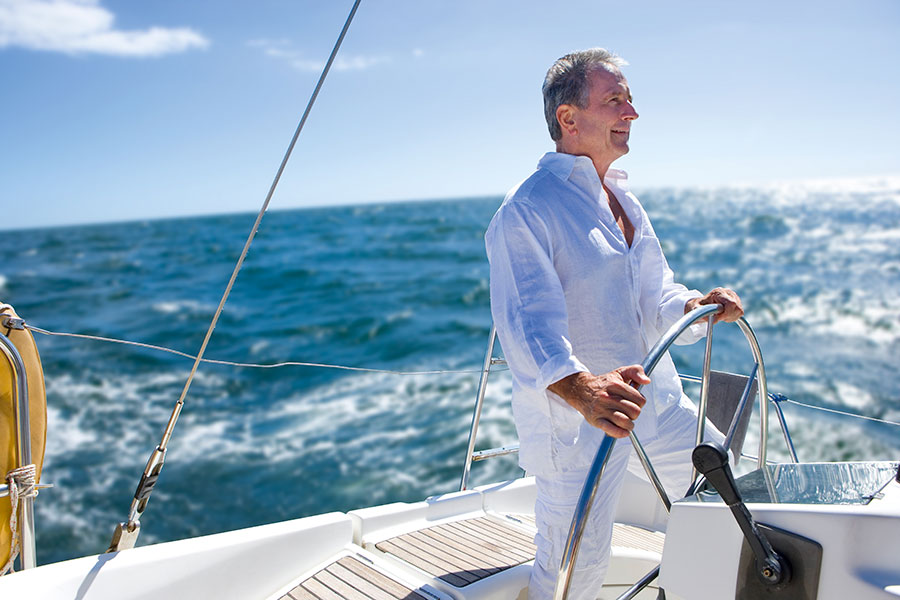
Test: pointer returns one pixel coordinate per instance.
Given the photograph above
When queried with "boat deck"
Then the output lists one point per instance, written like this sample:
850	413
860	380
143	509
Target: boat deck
471	545
458	553
463	552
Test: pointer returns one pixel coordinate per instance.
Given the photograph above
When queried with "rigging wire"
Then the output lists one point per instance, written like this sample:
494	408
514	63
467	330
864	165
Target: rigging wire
229	363
384	371
782	398
126	534
839	412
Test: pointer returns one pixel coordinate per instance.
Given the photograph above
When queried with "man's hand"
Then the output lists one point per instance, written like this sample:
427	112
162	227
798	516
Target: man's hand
608	401
731	310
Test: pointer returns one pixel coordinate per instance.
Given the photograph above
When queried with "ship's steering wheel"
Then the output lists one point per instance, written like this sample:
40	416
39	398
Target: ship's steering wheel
593	479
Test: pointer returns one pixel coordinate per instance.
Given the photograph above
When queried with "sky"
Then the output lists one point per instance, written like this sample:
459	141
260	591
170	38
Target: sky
115	110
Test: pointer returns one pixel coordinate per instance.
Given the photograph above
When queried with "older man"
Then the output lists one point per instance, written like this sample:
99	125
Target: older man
580	290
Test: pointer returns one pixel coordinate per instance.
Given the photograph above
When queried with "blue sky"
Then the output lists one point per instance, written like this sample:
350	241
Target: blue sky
116	109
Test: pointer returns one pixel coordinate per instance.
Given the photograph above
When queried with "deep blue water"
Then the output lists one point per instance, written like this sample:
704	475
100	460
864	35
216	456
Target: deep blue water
399	287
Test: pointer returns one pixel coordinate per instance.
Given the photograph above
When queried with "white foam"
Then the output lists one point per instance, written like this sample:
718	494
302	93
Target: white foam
66	435
852	395
180	306
125	413
830	313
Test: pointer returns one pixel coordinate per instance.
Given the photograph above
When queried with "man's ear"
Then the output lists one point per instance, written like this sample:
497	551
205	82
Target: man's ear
565	115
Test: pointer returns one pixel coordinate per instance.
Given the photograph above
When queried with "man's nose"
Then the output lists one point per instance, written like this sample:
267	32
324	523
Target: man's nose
630	113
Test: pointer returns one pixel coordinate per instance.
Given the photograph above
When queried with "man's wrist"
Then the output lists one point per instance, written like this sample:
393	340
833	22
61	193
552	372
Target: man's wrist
565	387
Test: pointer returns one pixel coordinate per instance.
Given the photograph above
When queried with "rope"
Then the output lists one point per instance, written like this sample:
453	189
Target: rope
23	478
229	363
840	412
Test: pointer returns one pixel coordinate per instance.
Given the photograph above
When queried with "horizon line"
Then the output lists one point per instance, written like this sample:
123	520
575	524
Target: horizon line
880	181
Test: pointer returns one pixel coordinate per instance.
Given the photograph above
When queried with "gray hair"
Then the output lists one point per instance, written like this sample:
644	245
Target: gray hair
567	82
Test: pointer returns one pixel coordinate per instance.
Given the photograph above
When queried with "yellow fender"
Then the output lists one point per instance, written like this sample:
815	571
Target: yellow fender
37	408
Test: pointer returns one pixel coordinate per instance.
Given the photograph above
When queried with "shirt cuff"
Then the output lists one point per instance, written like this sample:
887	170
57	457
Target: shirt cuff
674	310
557	368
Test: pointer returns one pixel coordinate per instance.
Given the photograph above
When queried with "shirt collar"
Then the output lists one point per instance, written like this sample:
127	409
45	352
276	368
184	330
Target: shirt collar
565	165
617	177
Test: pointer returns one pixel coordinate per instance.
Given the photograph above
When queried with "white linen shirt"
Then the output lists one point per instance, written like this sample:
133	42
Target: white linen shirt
569	295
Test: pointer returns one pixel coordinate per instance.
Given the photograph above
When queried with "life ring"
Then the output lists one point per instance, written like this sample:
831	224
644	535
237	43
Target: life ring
37	409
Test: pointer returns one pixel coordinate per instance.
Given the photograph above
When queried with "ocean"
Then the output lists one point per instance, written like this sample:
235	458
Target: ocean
402	289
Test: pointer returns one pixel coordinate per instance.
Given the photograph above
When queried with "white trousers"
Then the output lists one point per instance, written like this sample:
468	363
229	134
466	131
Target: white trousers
557	496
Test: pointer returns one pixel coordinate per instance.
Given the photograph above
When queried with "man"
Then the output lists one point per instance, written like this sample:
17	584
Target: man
579	288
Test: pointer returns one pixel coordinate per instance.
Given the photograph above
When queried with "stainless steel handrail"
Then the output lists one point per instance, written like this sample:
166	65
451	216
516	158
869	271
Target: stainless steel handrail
776	401
494	452
4	488
479	402
763	390
27	551
582	509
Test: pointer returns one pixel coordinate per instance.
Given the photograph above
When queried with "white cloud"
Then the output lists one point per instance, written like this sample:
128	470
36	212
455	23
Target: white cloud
83	26
283	50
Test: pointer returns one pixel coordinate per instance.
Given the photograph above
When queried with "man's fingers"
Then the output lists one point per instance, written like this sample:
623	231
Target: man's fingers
620	398
613	430
613	408
627	408
625	396
731	310
633	374
607	401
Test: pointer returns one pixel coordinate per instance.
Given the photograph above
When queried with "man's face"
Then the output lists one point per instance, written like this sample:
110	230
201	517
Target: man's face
604	126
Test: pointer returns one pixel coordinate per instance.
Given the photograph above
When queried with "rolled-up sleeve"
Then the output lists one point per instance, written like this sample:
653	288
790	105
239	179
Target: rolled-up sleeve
671	307
527	301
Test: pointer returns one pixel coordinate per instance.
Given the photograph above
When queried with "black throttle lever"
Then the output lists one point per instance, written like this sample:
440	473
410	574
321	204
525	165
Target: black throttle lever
711	459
